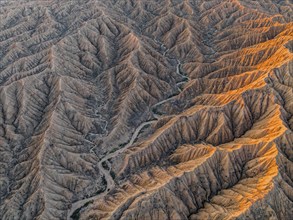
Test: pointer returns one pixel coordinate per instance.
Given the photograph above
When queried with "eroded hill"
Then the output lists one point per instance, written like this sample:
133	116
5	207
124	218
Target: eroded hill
146	109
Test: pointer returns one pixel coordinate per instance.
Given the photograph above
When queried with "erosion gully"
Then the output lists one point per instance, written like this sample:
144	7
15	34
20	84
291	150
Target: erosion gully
109	180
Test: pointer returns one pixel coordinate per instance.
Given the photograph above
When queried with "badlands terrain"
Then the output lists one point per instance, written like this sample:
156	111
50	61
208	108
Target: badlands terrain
146	109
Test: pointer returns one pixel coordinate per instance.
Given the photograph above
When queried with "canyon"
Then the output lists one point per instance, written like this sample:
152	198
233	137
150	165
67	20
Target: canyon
146	109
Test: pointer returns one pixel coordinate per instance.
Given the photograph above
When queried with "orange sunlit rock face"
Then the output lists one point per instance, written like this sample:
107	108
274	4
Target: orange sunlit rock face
146	109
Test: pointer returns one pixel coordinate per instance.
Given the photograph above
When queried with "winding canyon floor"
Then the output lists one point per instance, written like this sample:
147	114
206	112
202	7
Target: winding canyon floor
146	109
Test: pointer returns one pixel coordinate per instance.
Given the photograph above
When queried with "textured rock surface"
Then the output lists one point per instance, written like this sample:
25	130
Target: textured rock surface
146	109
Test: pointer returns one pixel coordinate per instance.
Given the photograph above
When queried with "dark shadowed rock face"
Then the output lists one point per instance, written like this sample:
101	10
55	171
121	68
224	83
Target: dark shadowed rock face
146	109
